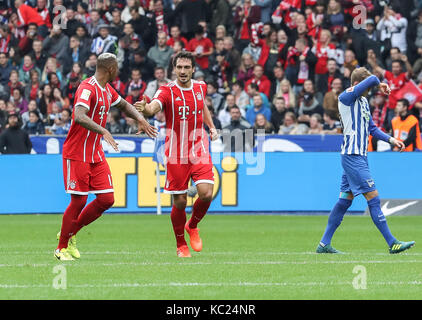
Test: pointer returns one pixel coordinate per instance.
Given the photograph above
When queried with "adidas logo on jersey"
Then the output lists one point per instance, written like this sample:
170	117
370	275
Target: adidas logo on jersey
101	99
178	99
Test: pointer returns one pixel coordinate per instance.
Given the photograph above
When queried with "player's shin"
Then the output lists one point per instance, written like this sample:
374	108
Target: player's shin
94	210
334	220
200	208
379	220
75	207
178	220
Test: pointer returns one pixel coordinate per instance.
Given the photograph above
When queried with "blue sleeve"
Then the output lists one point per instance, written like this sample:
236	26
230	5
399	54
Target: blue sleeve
268	114
364	85
349	96
377	133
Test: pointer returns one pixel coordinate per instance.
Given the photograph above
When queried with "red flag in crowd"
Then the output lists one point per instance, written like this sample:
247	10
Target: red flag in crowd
411	92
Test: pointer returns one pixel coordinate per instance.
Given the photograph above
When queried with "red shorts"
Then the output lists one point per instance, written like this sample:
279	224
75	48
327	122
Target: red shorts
179	175
83	178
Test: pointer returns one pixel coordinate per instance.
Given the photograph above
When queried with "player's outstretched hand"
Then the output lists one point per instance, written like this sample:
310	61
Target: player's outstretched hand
140	105
214	134
385	89
144	126
109	139
397	144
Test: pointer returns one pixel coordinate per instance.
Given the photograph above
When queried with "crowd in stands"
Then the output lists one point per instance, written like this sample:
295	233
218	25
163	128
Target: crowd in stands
269	64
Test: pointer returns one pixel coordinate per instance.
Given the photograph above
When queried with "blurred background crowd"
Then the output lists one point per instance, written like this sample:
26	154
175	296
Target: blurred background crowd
269	64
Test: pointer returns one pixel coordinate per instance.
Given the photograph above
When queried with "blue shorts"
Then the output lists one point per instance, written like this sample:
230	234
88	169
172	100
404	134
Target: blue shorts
356	176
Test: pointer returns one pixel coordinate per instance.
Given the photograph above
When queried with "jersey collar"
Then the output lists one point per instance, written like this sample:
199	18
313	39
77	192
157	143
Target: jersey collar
95	79
184	89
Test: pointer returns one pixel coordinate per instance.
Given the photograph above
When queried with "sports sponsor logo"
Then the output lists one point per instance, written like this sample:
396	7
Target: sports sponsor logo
389	211
402	207
183	112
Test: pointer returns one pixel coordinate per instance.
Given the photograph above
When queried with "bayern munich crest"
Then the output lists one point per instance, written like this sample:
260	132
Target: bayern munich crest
72	184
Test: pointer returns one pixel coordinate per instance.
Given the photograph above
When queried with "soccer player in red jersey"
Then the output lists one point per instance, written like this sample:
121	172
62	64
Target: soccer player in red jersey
186	147
85	168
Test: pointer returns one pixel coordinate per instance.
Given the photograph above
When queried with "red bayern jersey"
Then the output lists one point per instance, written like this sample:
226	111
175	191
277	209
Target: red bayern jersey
82	144
186	137
395	84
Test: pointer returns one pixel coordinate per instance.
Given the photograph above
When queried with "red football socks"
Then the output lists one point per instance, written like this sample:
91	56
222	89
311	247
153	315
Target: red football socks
77	203
178	219
94	210
199	210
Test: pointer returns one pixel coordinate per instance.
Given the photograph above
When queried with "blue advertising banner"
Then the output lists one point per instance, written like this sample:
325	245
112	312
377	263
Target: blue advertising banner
269	143
252	182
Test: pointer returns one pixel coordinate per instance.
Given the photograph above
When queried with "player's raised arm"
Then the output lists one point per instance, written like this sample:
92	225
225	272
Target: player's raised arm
132	112
366	84
148	109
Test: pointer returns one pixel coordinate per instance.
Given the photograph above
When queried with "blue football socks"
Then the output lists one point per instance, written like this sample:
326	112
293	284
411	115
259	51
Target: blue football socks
379	219
334	220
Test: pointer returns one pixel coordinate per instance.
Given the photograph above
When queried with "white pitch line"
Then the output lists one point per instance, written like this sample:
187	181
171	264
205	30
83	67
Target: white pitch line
111	264
214	284
216	253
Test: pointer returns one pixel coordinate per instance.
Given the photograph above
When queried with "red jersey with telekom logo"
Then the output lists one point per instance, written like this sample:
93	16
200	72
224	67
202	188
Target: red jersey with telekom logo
82	144
395	84
186	137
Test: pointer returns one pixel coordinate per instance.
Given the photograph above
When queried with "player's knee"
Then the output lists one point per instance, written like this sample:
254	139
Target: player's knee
206	196
78	201
105	200
180	203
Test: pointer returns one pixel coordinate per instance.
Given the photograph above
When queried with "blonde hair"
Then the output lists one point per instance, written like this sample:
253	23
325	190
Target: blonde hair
328	33
336	10
292	98
358	75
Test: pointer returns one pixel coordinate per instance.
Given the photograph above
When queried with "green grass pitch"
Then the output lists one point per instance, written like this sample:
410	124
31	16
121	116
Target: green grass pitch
244	257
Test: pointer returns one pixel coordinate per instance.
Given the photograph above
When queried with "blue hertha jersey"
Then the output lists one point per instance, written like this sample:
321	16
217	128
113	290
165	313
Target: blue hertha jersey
356	119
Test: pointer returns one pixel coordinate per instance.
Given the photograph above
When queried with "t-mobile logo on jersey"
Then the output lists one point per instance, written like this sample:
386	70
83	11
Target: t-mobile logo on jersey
183	112
102	112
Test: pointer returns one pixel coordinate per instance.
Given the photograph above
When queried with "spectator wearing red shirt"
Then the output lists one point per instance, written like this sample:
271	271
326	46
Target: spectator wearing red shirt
175	36
201	47
44	13
323	50
27	15
396	80
314	21
260	79
245	16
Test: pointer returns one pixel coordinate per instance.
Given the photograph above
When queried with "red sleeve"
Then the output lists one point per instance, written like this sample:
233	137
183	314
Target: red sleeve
162	96
23	43
189	47
47	21
209	43
143	88
247	83
85	96
266	87
185	42
115	97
